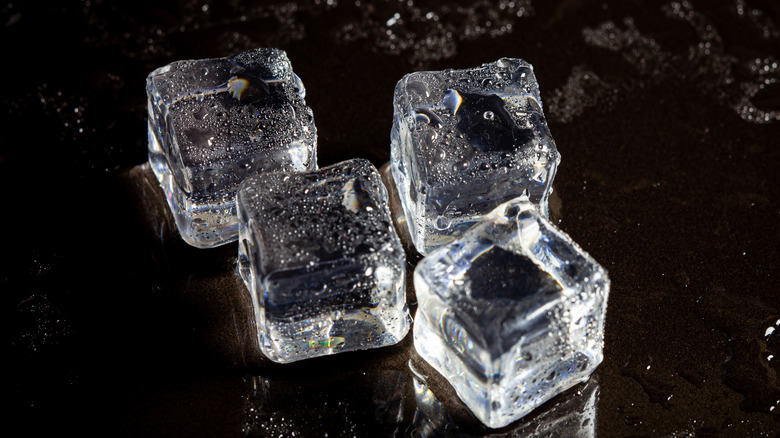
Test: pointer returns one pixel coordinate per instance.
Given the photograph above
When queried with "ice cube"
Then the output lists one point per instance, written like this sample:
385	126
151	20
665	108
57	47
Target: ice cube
511	314
214	122
463	142
323	263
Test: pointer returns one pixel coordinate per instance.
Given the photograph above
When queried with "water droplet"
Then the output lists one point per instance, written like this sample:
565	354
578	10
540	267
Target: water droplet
421	119
424	116
419	88
199	223
452	100
503	63
237	87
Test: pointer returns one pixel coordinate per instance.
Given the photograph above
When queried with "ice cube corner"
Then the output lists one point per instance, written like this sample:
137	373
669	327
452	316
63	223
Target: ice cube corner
214	122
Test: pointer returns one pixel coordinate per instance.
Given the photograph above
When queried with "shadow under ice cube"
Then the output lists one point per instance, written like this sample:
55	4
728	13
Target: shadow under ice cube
463	142
323	263
214	122
511	314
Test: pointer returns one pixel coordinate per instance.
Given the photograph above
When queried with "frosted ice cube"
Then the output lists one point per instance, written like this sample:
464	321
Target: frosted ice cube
214	122
511	314
323	263
463	142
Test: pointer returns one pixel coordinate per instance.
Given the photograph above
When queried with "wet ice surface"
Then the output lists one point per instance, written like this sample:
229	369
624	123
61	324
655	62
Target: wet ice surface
212	123
463	142
323	263
381	392
512	313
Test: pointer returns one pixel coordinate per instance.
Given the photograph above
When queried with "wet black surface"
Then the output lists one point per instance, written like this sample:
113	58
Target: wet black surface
666	117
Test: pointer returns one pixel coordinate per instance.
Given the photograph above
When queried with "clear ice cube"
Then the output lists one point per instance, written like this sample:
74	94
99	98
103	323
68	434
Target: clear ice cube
511	314
463	142
323	263
214	122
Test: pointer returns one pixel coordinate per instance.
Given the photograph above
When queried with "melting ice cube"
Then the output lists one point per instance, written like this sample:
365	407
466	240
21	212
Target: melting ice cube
511	314
322	261
463	142
214	122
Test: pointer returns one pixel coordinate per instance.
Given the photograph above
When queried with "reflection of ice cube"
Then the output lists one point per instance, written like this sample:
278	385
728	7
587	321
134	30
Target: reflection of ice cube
322	260
511	314
214	122
571	416
333	400
463	142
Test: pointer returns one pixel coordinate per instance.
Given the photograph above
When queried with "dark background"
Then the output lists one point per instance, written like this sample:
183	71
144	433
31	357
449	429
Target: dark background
666	115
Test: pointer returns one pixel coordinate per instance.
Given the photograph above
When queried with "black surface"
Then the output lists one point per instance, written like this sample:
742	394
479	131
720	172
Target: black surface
667	179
